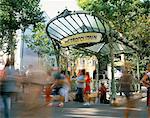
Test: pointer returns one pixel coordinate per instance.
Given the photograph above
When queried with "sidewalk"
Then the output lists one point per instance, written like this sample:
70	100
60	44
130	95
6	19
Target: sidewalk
121	100
77	110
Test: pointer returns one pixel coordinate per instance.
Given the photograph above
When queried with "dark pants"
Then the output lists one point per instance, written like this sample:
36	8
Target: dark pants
5	99
79	95
103	98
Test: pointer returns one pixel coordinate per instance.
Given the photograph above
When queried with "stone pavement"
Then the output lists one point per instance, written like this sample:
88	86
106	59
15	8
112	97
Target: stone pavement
77	110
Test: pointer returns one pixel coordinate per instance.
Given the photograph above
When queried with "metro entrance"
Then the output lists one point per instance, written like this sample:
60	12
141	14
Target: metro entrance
91	33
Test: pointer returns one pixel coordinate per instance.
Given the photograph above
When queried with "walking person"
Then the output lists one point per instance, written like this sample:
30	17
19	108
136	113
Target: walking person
126	87
102	92
47	88
59	85
80	86
67	86
87	89
8	87
29	71
146	82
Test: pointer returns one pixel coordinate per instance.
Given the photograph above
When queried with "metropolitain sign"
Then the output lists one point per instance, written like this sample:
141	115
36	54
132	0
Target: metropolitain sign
81	39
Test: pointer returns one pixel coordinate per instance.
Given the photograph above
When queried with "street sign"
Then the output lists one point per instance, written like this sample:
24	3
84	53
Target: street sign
81	39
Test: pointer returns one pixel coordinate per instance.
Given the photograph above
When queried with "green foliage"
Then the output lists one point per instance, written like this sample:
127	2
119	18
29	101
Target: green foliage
74	53
129	17
118	12
40	42
14	15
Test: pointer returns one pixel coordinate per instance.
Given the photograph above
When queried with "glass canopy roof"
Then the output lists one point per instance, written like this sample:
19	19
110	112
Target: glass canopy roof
68	24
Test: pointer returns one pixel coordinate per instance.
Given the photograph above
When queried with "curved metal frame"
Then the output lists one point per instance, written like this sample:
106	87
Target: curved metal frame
107	32
66	13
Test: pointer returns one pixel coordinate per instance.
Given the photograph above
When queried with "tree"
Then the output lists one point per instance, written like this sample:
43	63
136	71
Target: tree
14	15
39	42
130	17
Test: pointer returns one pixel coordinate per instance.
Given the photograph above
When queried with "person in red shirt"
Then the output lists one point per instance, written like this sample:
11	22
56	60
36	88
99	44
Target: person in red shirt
87	88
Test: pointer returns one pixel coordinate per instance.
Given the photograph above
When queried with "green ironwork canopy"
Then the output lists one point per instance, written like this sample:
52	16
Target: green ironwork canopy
64	28
88	32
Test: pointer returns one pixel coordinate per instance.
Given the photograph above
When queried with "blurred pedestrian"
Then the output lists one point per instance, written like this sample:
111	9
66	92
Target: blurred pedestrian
59	86
102	92
73	82
48	90
34	88
87	89
67	85
80	86
29	71
8	87
126	87
146	82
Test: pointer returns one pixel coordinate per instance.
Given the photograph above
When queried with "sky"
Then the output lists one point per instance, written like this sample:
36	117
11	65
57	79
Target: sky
52	7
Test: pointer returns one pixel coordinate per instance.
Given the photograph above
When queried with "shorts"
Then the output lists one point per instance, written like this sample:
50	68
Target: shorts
63	91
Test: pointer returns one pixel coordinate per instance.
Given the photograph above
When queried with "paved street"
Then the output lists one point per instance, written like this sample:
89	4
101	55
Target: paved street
77	110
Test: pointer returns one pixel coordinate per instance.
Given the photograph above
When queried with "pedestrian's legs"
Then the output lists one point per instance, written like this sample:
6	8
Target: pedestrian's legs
86	96
81	95
48	91
128	106
62	93
102	99
87	99
66	96
148	112
6	106
77	95
66	89
81	98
